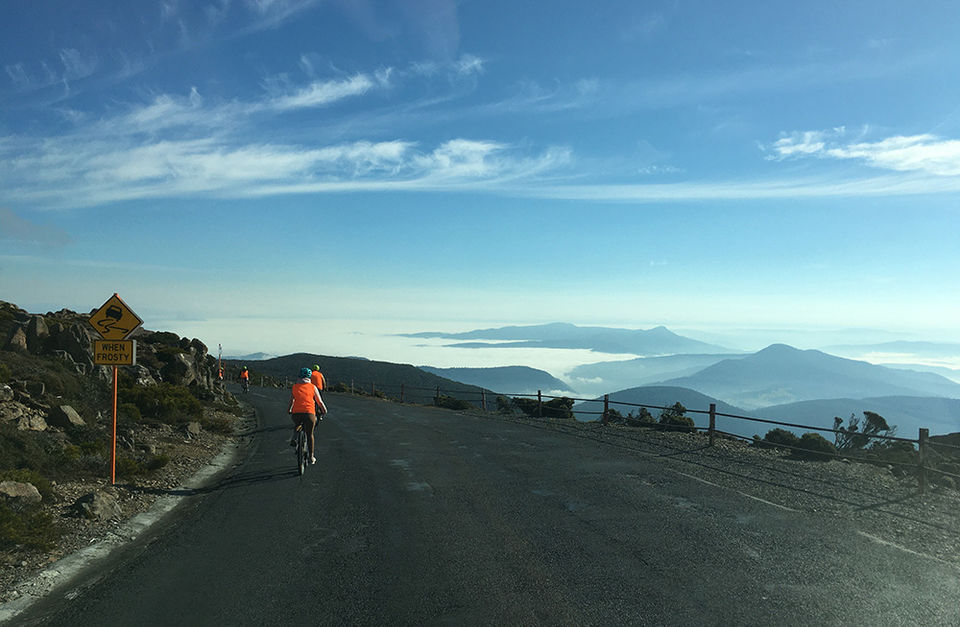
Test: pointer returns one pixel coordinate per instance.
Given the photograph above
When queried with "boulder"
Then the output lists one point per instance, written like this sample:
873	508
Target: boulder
97	505
143	377
19	492
31	421
179	370
64	416
6	393
194	429
37	334
17	342
12	410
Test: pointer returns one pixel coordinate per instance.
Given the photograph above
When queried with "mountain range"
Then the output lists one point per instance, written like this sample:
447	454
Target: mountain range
505	379
781	374
655	341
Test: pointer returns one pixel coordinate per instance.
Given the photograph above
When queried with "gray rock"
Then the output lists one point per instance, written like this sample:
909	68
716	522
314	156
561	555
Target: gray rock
12	410
17	342
64	416
19	492
149	449
194	428
37	334
31	422
179	370
6	393
97	505
143	377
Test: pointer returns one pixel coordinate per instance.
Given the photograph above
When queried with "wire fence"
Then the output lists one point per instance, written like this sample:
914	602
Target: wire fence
922	448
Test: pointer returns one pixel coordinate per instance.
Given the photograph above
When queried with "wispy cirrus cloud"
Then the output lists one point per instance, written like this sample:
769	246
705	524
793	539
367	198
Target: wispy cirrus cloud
924	153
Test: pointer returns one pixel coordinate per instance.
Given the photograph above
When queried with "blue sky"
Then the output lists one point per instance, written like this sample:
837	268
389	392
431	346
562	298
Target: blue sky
303	175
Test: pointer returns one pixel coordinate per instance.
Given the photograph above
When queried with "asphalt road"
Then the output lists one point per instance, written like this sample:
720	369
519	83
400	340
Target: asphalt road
415	515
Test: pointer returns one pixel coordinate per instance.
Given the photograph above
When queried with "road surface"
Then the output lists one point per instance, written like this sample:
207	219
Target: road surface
416	515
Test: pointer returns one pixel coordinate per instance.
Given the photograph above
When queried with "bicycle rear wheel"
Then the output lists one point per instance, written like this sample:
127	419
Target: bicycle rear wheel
301	452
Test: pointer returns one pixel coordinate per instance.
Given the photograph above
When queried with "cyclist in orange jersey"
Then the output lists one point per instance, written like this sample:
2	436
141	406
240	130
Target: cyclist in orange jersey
305	399
316	377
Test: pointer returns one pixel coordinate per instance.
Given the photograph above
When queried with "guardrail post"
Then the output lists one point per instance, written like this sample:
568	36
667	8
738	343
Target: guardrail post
606	408
401	392
713	421
921	454
539	404
483	400
436	398
373	388
351	386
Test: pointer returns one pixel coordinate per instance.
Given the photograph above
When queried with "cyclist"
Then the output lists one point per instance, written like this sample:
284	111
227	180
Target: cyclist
316	377
245	378
305	399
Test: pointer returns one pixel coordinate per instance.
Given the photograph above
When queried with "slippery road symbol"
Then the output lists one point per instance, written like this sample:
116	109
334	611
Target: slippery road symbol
111	321
114	320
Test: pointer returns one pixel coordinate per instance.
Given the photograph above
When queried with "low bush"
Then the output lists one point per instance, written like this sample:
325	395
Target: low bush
503	405
164	402
675	419
815	447
26	526
449	402
778	439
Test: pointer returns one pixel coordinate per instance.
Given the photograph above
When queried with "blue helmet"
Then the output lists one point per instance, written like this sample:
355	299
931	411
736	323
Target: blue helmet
304	373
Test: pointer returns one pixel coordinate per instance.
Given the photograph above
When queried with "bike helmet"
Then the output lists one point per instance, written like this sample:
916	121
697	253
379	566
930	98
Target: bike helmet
316	367
304	373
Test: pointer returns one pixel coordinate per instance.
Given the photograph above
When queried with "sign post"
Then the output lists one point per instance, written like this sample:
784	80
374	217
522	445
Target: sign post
114	321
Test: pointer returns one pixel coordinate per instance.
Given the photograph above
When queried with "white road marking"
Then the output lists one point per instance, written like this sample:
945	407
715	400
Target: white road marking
902	548
749	496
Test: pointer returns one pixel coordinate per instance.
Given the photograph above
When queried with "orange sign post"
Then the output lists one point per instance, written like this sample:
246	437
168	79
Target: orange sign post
114	321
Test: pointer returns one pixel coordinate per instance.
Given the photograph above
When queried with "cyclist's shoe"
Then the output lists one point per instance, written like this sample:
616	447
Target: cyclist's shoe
293	439
313	460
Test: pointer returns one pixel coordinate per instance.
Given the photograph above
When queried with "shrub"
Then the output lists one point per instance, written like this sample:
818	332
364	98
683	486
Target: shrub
27	526
814	446
779	439
163	403
449	402
503	405
674	419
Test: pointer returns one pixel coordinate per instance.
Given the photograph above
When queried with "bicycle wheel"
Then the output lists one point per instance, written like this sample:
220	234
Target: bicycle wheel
301	452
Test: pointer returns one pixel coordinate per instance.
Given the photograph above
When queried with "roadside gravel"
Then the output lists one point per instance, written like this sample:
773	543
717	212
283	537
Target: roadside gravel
187	454
880	505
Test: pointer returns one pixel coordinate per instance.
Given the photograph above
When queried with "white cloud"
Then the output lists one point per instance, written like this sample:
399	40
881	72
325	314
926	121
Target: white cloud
321	93
924	153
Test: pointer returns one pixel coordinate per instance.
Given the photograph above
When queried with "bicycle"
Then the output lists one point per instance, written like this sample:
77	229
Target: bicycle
303	456
245	384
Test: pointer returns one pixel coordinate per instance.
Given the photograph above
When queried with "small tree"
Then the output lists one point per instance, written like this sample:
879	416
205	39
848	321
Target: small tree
855	436
675	419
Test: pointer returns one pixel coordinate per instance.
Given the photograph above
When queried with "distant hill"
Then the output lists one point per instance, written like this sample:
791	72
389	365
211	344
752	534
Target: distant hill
950	373
909	413
782	374
666	396
504	379
656	341
363	373
919	349
250	357
616	375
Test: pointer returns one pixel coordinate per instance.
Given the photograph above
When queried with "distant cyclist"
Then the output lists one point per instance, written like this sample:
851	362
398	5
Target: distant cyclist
245	378
304	401
316	377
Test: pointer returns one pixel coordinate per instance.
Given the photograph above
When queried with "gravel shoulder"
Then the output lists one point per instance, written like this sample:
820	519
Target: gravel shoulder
880	505
22	570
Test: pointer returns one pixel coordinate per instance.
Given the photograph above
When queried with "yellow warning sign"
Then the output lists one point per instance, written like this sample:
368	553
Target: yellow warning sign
115	352
114	320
